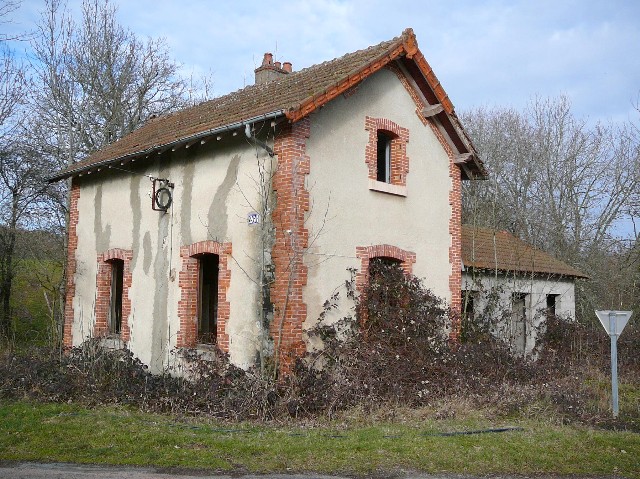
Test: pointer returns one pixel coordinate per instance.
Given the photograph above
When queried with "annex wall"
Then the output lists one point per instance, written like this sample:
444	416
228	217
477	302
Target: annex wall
535	289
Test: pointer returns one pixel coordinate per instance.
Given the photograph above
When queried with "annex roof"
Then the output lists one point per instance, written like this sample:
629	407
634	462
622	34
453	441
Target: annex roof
293	96
487	249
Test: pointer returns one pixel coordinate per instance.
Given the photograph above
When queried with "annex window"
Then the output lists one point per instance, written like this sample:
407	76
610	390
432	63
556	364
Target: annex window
518	326
208	271
552	301
467	304
115	303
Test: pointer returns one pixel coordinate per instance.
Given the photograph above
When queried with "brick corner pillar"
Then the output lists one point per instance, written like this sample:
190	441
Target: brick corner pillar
455	248
72	246
291	238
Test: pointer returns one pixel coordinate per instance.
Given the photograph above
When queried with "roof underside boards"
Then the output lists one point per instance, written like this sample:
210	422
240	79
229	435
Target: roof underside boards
295	95
486	249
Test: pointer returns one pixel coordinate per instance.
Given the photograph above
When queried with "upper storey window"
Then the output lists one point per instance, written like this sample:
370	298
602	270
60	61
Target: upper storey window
386	156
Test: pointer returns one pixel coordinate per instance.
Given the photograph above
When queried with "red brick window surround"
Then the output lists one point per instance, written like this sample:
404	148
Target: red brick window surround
113	265
387	135
367	253
189	281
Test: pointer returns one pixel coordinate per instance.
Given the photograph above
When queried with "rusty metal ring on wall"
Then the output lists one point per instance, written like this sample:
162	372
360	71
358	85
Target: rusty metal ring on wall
163	198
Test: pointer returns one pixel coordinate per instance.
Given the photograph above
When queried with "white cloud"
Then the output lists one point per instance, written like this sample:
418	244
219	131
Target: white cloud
491	52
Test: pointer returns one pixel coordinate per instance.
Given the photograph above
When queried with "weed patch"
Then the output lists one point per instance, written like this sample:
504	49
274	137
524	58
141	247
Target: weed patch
392	354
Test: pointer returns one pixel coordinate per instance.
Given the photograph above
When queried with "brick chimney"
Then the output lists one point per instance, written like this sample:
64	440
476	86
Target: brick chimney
270	71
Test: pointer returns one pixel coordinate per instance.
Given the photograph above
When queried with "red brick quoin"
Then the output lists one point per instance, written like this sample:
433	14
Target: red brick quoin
103	292
292	202
399	160
455	249
188	282
72	245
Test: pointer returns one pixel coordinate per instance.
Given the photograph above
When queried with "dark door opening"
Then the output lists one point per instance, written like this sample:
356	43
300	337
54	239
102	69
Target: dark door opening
117	280
551	304
208	265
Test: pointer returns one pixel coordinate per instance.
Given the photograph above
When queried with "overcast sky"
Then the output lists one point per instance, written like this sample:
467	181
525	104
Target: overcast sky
484	52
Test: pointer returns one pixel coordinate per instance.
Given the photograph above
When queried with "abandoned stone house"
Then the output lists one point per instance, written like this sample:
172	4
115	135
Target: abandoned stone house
513	285
197	226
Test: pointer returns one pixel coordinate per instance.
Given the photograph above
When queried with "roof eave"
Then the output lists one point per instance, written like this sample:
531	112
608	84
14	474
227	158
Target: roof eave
405	46
70	172
492	270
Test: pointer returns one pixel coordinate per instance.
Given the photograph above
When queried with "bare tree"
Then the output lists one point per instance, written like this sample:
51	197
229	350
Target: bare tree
13	86
6	8
556	182
89	83
96	80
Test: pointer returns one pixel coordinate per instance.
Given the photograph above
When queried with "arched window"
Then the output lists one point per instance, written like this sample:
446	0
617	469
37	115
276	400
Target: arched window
113	305
386	156
203	308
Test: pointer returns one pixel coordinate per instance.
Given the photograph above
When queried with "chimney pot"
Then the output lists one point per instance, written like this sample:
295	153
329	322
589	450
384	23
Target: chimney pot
269	71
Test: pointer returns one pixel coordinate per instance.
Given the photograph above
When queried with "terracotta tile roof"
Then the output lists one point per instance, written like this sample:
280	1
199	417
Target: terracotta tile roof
509	254
294	95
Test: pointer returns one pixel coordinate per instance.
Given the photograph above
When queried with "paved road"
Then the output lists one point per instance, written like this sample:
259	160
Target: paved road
74	471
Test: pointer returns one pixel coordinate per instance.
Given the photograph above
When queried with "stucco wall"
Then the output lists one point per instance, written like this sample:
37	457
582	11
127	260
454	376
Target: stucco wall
345	213
536	290
214	191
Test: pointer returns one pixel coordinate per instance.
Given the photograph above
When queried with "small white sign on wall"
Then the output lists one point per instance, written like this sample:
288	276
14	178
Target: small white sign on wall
253	218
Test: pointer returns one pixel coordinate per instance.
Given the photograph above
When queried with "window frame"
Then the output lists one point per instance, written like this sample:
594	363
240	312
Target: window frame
111	298
396	160
552	306
189	279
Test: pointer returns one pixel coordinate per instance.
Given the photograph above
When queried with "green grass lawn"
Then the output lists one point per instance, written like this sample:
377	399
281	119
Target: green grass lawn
109	435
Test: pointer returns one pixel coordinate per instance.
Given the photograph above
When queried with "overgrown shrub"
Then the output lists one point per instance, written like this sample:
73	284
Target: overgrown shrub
396	350
92	374
393	351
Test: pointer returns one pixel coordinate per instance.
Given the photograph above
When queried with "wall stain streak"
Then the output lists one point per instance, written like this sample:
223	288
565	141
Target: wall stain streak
136	210
217	217
160	321
147	252
185	203
103	236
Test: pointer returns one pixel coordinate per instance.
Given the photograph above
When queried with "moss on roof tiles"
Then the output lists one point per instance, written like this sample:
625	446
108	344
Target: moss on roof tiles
286	93
484	248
